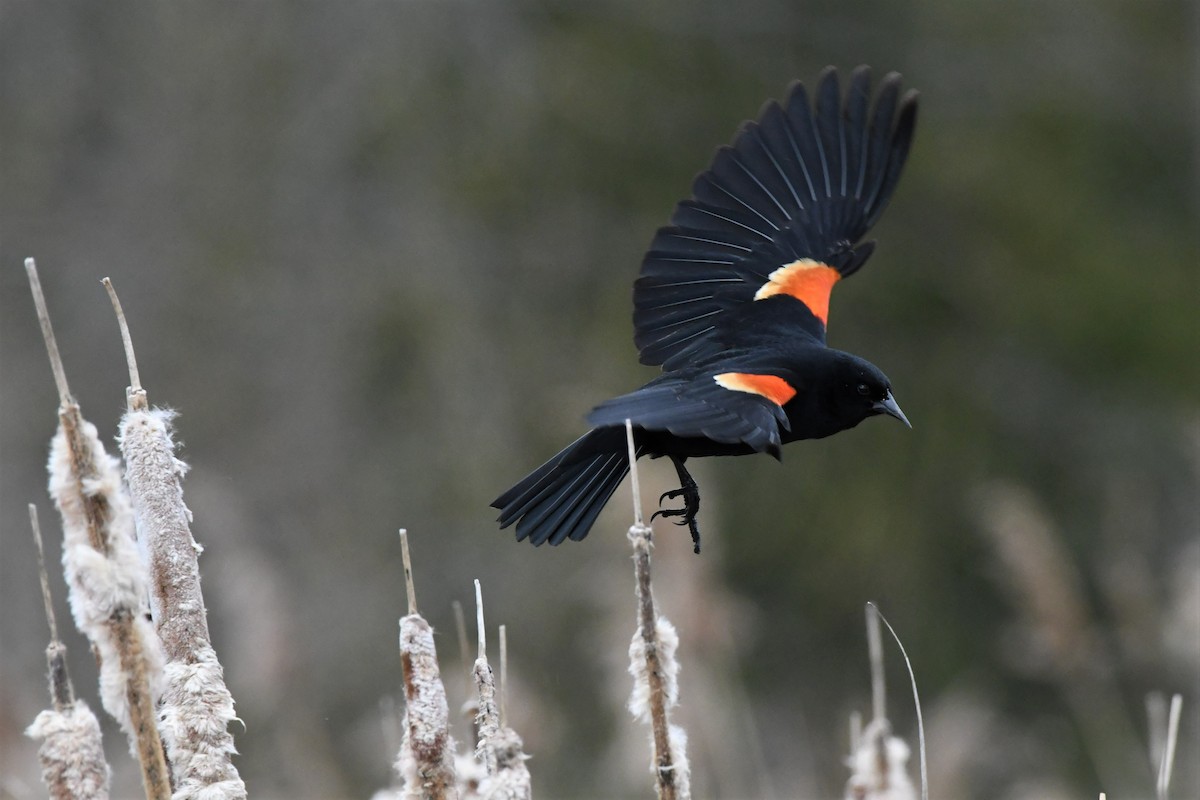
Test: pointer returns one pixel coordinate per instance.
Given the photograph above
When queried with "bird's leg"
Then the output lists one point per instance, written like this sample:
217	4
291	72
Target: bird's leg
690	493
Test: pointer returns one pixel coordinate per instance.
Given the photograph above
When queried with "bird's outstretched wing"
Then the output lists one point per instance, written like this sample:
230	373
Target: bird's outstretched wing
780	212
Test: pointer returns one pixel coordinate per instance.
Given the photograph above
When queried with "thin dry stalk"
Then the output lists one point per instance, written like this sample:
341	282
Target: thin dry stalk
71	751
487	719
875	654
196	707
652	663
137	395
103	570
426	760
1167	765
62	693
409	588
916	704
878	760
500	749
503	674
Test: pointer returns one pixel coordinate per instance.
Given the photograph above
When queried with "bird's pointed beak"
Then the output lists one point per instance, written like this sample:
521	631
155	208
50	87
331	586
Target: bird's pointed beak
889	406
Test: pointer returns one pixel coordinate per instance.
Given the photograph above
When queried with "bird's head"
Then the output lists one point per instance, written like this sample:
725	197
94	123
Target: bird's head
862	390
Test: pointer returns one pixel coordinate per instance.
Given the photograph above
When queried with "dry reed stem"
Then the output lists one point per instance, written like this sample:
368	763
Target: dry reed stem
196	707
137	395
103	571
71	751
426	760
878	760
875	655
916	704
487	718
62	693
1167	764
503	673
652	661
410	591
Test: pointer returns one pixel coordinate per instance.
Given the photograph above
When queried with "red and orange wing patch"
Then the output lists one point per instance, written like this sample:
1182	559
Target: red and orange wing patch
808	281
772	387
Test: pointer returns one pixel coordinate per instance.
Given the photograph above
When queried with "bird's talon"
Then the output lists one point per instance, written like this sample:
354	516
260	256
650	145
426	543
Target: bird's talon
669	495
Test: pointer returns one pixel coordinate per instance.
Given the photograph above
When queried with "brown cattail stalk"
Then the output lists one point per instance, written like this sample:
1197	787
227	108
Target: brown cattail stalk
500	749
196	707
652	663
107	585
71	752
426	760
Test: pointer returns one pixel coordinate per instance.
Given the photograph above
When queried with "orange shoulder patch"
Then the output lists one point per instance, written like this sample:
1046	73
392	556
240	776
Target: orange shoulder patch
808	281
772	387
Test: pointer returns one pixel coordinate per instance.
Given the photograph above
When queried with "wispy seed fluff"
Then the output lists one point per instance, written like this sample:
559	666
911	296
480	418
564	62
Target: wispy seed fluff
639	701
193	720
71	753
668	643
103	587
879	766
512	780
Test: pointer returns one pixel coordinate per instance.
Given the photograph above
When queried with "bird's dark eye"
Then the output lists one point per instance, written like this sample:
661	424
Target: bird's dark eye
863	389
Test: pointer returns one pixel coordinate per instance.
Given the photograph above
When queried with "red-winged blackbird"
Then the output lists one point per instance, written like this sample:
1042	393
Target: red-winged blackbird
732	301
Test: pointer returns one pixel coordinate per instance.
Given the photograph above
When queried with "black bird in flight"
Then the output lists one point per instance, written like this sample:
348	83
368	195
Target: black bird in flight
732	301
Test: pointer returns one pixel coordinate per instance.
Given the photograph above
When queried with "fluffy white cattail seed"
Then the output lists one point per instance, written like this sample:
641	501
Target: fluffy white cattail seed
196	706
426	760
879	766
108	590
71	754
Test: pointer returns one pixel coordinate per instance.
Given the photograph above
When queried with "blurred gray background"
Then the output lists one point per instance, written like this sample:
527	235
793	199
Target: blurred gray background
378	255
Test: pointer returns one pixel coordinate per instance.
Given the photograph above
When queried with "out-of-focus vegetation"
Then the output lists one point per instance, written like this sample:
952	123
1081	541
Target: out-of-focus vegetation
379	257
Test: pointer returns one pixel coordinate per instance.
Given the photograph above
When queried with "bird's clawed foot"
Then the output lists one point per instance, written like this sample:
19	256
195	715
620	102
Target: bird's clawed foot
691	503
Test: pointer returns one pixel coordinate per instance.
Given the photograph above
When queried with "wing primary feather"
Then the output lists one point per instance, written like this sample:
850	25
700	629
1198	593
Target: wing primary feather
685	259
657	285
671	323
750	174
711	180
901	142
858	98
828	118
684	302
696	238
709	211
798	107
880	133
759	139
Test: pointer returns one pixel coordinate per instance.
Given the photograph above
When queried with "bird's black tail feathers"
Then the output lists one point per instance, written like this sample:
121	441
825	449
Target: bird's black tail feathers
562	498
